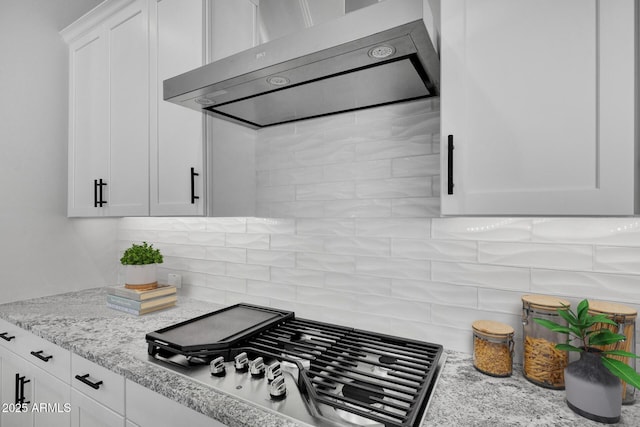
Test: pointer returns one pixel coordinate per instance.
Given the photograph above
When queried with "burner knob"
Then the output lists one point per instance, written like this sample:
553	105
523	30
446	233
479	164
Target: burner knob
277	388
241	362
217	367
256	367
273	371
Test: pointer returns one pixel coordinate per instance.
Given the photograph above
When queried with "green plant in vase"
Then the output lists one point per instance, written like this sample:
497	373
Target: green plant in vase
592	383
140	266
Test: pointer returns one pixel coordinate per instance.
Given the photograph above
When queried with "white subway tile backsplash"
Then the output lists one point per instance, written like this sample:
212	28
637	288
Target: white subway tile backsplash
327	298
417	207
350	245
416	166
395	308
445	250
272	290
605	286
272	258
358	208
565	257
226	283
434	292
500	229
284	242
326	191
326	227
326	262
236	255
375	169
393	267
271	225
358	284
248	271
248	241
410	228
483	276
602	231
349	231
226	225
617	259
394	188
297	276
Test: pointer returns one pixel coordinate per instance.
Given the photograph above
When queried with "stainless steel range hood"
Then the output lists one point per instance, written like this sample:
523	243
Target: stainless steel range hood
374	56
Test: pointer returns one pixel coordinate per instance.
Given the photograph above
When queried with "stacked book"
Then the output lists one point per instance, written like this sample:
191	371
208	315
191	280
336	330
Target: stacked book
141	302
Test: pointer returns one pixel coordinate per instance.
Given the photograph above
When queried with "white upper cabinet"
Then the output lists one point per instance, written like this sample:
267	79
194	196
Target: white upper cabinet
538	104
108	111
177	133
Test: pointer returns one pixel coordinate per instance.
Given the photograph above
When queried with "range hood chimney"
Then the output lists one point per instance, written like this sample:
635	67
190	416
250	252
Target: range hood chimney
377	55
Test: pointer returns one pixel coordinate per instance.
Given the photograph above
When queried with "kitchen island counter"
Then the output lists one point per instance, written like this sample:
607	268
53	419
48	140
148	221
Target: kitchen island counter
81	322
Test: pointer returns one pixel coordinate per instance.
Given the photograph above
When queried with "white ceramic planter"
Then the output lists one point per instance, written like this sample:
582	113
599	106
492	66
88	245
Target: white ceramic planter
140	275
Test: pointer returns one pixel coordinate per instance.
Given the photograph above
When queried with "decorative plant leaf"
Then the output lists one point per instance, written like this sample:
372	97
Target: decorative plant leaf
623	371
553	326
583	311
568	347
605	337
621	353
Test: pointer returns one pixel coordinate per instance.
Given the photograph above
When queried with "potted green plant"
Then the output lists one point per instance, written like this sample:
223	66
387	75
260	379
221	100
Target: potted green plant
140	263
592	383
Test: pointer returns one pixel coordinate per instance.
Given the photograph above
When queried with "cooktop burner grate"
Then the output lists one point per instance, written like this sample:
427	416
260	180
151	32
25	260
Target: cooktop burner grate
378	377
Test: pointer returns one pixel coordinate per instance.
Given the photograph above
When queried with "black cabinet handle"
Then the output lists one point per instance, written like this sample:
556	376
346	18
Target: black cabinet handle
85	379
40	356
5	336
450	165
98	201
193	186
20	382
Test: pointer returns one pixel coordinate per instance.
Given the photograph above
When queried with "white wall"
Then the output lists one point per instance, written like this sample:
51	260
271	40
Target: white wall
359	240
41	251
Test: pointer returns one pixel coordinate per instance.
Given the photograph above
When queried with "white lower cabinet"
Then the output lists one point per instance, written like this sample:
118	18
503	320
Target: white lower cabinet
89	413
30	396
146	408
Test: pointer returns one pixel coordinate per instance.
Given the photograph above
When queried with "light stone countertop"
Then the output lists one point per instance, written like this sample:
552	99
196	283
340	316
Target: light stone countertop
81	322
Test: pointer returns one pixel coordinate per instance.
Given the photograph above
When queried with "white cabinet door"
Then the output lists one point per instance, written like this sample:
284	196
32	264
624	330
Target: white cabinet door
51	404
233	27
88	143
536	101
128	114
177	133
16	390
147	408
89	413
108	117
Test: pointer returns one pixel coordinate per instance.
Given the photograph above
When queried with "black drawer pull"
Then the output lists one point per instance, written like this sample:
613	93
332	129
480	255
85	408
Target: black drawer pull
193	186
5	336
450	165
85	379
40	356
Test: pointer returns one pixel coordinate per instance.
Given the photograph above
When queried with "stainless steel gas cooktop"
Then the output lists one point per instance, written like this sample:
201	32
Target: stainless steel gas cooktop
316	373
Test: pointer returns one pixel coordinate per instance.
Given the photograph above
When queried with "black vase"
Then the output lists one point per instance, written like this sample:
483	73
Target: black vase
592	391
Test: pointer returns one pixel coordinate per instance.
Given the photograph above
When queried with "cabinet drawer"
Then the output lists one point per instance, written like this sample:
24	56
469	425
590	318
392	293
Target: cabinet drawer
99	383
11	335
46	355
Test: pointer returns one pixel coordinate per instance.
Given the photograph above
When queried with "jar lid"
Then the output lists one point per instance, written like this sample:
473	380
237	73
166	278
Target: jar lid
545	301
490	327
607	307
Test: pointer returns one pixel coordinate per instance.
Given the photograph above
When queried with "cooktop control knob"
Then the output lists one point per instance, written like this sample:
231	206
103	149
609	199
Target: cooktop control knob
241	362
256	367
273	371
216	367
277	388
